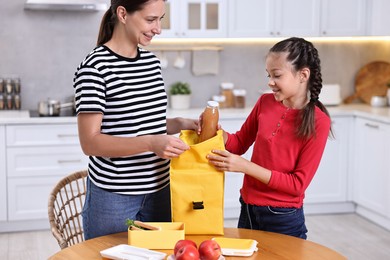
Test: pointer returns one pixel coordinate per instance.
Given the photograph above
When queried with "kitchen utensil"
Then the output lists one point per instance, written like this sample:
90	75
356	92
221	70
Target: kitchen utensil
330	95
180	62
371	80
52	107
378	101
163	60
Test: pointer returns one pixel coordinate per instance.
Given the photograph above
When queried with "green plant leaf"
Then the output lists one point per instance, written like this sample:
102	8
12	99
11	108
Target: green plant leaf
180	88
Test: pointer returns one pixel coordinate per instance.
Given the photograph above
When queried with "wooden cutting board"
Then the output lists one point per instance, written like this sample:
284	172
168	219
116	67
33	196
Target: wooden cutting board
371	80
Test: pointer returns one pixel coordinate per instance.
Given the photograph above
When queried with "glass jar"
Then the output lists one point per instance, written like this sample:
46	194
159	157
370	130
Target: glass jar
239	98
227	91
210	120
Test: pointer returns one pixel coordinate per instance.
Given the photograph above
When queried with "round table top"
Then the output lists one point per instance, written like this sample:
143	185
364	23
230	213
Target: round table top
270	246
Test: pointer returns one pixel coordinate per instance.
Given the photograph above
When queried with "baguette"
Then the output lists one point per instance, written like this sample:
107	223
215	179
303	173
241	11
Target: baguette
135	228
145	226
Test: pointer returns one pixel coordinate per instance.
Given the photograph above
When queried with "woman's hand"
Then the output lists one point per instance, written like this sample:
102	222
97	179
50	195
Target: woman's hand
222	160
166	146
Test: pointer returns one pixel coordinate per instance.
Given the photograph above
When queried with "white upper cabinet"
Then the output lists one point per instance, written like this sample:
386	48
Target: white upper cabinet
379	18
343	17
195	19
273	18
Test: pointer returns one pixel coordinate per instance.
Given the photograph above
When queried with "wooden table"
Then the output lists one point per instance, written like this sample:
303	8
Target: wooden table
271	246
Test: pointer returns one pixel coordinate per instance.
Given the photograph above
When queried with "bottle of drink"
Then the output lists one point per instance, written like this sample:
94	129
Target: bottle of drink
209	121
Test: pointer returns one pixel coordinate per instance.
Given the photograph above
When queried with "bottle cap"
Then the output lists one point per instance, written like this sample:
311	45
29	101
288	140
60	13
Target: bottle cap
212	103
227	85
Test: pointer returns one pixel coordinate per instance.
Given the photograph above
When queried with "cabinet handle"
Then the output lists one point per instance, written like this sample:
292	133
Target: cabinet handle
66	135
69	161
371	125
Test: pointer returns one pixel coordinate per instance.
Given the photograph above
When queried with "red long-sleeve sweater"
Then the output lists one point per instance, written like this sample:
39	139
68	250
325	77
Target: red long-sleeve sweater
272	128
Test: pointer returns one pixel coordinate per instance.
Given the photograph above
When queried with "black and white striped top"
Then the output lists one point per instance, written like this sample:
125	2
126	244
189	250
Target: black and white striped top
131	96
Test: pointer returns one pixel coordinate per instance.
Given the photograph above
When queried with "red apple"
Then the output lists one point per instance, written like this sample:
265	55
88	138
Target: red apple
187	252
209	250
183	242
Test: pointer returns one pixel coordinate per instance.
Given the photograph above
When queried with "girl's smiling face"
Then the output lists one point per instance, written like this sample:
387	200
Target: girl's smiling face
288	85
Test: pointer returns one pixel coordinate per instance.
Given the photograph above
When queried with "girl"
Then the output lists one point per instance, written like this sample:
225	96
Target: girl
289	129
121	111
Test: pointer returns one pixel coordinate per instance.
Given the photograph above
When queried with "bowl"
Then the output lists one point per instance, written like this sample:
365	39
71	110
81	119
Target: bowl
378	101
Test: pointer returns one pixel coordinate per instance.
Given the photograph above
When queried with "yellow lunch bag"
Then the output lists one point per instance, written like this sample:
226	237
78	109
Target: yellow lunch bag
197	188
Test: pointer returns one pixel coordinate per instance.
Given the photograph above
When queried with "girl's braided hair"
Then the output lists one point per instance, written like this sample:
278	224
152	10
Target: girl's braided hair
303	54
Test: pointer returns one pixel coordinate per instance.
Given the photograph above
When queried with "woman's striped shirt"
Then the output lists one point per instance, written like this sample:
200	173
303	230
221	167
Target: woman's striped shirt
131	96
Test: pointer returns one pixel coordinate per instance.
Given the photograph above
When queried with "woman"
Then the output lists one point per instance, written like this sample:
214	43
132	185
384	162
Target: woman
121	112
289	129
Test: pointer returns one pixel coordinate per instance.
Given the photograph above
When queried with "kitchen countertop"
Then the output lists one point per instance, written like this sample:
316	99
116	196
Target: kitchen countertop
361	110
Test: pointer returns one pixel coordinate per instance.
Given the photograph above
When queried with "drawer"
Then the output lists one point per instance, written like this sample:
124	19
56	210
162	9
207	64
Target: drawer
28	197
33	135
45	161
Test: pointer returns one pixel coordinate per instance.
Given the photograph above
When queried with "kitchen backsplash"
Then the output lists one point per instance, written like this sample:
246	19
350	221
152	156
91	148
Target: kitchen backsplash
44	48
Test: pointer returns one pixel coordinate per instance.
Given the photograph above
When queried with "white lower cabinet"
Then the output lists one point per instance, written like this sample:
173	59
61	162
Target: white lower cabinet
28	197
329	191
233	180
371	186
3	177
37	157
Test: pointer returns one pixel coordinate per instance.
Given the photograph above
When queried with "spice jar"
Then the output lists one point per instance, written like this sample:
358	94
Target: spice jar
1	86
17	104
8	86
2	102
239	98
210	120
227	91
9	102
16	85
221	99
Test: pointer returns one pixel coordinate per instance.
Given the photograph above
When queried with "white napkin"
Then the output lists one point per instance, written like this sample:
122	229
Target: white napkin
205	62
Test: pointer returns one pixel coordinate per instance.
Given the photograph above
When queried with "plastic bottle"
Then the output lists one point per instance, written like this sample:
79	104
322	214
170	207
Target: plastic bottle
209	121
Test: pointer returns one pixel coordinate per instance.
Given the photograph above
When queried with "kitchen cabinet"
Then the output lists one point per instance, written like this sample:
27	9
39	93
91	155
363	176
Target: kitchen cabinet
379	18
195	19
233	180
371	187
3	177
273	18
343	18
303	18
329	189
38	156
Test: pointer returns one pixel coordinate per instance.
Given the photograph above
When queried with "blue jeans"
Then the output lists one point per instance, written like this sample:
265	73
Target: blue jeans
106	212
288	221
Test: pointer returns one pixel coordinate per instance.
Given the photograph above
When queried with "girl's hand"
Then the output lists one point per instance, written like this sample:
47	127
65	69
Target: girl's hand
222	160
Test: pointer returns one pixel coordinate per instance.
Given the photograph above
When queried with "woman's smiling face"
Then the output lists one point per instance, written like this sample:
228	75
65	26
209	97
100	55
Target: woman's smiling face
143	25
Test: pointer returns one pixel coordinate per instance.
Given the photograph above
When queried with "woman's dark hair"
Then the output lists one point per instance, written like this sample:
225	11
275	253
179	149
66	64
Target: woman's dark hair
303	54
110	19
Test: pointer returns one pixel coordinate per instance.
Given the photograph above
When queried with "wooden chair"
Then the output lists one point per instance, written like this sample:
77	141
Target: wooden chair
65	206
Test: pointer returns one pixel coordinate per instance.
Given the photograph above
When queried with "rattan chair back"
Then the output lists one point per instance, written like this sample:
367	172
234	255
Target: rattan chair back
65	206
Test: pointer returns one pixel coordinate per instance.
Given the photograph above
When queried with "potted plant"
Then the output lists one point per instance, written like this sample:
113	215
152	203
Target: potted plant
180	93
